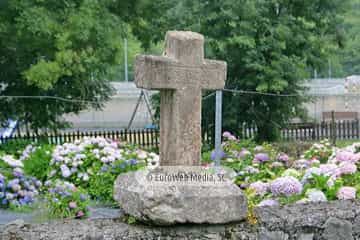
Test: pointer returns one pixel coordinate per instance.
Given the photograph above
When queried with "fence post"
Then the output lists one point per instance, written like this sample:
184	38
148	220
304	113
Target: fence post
313	134
333	128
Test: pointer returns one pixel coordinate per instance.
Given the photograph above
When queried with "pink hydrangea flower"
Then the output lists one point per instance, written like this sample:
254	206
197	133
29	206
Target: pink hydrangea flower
346	156
259	187
282	157
80	214
232	138
243	153
347	168
72	205
329	169
286	186
227	134
346	193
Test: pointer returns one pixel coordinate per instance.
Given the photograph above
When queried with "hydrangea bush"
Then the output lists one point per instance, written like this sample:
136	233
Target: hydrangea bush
270	177
76	173
94	164
65	200
73	173
17	191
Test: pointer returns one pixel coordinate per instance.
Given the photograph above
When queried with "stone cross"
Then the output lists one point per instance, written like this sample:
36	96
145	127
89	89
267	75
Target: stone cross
180	75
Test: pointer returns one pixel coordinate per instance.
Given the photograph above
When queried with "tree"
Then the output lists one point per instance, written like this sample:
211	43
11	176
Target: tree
269	46
56	48
350	55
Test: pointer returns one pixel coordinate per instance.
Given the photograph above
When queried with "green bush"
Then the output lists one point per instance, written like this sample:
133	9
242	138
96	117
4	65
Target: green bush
38	162
102	184
14	147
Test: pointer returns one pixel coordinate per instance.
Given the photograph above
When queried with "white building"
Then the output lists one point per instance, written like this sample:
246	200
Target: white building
117	112
341	95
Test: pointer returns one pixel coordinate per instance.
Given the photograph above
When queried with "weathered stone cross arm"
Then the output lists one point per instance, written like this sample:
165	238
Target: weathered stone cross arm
183	63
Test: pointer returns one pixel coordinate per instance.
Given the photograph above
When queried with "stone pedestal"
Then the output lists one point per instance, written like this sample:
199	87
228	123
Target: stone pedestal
167	203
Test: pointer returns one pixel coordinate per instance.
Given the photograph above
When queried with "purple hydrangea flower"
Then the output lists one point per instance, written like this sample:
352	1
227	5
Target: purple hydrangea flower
65	171
18	172
261	157
259	187
286	186
104	168
132	162
83	197
219	154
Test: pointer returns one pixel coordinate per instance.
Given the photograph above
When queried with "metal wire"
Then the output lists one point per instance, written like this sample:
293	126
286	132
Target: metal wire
50	97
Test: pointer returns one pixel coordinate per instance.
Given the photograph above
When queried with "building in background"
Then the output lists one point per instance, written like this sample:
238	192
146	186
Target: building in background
116	112
341	95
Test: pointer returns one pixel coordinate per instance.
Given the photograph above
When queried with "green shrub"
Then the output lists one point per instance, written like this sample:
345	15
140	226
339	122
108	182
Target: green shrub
102	184
14	147
38	162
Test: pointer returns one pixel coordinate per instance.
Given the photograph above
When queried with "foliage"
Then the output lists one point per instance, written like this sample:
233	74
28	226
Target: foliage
14	147
349	56
37	164
46	46
101	186
268	46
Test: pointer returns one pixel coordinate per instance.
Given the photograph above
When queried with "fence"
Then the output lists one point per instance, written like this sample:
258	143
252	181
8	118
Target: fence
347	129
146	138
149	138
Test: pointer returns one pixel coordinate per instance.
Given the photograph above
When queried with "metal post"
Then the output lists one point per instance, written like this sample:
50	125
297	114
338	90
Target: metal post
126	60
135	110
218	124
333	128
